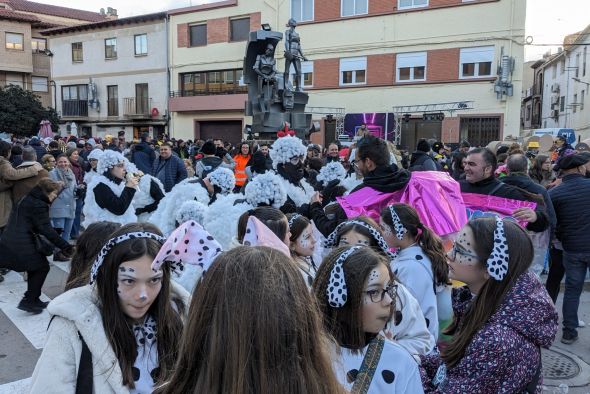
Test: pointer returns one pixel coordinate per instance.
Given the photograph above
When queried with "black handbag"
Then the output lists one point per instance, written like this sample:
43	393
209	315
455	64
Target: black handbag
42	244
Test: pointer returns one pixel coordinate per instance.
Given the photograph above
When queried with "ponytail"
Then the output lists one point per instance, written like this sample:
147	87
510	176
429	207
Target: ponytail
431	244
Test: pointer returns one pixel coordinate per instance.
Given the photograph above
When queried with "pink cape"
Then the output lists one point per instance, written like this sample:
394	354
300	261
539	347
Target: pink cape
435	195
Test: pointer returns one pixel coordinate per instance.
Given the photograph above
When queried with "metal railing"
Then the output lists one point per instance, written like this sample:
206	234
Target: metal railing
210	91
137	106
74	108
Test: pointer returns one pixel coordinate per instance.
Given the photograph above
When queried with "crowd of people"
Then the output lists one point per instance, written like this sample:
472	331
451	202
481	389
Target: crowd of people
204	267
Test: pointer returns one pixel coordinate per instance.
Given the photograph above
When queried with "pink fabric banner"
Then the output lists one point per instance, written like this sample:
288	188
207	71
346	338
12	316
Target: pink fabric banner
481	205
435	195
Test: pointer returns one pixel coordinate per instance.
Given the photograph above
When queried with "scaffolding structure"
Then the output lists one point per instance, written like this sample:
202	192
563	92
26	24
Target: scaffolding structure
337	112
450	108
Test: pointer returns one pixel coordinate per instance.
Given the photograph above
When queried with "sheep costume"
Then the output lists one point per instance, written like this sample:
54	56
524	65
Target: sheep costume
336	171
96	154
264	190
191	189
92	211
299	191
143	196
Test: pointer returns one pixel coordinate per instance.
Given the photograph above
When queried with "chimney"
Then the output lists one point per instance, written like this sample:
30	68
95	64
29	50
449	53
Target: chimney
111	13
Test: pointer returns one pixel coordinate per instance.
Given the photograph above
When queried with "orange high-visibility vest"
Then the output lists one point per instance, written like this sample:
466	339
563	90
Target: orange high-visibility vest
240	168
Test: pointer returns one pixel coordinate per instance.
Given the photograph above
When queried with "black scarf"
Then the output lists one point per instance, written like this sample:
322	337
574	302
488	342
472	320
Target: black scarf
290	172
385	179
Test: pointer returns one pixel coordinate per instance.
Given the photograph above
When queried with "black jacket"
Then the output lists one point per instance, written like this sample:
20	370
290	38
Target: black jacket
422	161
572	208
17	245
106	199
526	183
143	157
493	187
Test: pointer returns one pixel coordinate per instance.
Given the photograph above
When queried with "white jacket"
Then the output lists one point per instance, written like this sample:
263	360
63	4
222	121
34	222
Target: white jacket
57	369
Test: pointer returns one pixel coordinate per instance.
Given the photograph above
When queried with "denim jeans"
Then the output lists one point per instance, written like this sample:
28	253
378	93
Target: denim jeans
576	267
76	226
65	224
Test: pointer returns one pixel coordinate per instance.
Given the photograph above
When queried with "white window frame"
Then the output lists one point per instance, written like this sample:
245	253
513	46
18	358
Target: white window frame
12	78
135	37
13	45
476	55
354	13
400	7
411	60
40	86
306	68
301	11
353	64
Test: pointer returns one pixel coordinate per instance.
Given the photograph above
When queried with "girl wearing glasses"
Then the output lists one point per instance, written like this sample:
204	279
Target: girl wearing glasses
421	264
503	316
407	326
354	288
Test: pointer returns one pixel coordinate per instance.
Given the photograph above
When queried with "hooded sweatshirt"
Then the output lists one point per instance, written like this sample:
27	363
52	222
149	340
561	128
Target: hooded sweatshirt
504	355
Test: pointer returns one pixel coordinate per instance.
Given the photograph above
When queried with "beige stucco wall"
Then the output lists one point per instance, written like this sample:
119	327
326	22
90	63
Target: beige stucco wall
14	60
500	24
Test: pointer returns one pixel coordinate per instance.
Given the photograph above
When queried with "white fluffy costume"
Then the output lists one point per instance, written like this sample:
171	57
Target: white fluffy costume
281	153
221	219
143	195
92	211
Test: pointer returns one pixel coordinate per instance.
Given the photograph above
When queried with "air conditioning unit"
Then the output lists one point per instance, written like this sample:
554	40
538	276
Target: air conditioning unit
555	88
555	113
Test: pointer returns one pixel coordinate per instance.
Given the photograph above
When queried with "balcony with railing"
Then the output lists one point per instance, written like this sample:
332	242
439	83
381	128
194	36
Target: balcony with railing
210	97
137	107
74	108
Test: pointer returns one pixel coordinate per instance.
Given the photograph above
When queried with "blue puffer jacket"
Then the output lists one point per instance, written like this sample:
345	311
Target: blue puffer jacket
143	157
572	209
170	171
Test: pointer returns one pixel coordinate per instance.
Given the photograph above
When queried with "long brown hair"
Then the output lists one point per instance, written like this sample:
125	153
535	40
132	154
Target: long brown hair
430	243
273	218
492	293
345	323
87	247
116	324
253	328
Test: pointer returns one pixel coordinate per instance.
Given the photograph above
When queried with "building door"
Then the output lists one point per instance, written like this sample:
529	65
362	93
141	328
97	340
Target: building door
480	131
142	99
229	130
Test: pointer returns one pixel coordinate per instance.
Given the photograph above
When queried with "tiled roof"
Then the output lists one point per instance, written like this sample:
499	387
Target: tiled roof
105	24
64	12
17	16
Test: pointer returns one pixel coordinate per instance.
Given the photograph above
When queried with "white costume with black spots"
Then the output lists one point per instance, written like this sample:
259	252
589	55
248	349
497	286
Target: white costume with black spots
408	326
397	371
413	268
145	368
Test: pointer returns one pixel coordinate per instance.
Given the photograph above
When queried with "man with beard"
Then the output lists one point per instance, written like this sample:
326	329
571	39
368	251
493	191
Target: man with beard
372	162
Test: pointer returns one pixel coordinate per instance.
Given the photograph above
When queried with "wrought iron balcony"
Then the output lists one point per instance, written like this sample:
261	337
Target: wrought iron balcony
137	107
74	108
210	91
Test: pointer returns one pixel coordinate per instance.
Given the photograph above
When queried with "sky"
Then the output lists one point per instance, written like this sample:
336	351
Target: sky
548	21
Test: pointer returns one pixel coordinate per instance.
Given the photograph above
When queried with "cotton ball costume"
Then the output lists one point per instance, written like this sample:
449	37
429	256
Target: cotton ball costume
330	172
281	152
165	216
223	178
221	218
92	211
191	210
192	249
266	189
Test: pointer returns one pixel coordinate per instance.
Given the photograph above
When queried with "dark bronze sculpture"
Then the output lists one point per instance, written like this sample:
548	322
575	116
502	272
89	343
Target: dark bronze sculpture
293	54
272	101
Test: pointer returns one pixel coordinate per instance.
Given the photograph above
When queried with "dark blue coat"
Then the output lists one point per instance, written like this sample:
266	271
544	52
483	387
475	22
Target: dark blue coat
572	209
170	171
143	157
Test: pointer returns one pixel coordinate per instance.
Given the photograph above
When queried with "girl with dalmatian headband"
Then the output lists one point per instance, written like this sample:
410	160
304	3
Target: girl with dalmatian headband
109	195
421	264
408	326
302	245
503	316
355	291
121	332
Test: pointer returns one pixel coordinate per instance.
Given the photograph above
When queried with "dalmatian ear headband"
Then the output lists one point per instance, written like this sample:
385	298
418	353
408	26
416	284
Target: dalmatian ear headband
115	241
337	291
331	240
497	263
293	218
399	228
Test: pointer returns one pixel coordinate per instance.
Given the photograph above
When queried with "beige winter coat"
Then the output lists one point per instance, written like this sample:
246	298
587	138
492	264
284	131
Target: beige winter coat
7	175
57	368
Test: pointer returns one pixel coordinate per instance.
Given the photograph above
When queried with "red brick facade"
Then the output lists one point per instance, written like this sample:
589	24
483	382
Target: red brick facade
380	69
442	3
217	30
255	20
381	6
326	10
443	65
450	130
326	73
182	32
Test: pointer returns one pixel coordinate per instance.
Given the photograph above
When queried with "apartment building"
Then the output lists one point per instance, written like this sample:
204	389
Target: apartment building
24	53
365	58
111	76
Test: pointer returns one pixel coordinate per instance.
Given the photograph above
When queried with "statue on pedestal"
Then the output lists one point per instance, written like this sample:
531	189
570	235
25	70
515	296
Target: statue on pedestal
293	54
265	67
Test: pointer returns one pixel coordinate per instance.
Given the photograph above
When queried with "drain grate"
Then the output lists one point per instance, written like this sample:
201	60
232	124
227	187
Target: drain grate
557	366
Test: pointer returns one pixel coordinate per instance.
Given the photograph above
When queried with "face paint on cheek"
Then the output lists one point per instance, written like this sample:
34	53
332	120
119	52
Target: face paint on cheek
387	232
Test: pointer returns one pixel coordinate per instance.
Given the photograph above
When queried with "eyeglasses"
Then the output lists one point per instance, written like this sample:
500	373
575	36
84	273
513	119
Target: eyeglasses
120	165
379	295
458	250
295	160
